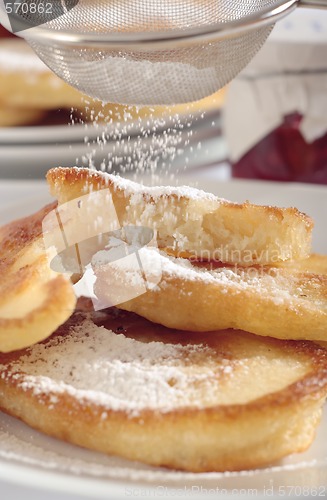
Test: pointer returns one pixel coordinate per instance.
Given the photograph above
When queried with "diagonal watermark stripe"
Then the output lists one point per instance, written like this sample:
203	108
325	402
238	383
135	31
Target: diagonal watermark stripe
83	238
26	14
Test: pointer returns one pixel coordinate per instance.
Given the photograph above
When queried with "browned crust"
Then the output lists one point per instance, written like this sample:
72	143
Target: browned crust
179	438
93	180
39	323
21	241
199	306
86	429
313	385
20	233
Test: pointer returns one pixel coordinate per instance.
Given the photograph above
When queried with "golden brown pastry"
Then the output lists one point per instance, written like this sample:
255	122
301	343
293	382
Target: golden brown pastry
194	224
112	381
34	299
276	302
115	383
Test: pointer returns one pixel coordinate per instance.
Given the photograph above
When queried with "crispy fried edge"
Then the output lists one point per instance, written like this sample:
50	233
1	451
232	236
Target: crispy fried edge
83	180
172	434
196	305
296	227
60	299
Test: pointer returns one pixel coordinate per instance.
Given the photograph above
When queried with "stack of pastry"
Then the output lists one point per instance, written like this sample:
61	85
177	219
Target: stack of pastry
219	364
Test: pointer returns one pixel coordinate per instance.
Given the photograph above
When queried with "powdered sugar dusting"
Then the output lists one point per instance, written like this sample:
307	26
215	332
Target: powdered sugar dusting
132	188
278	288
119	373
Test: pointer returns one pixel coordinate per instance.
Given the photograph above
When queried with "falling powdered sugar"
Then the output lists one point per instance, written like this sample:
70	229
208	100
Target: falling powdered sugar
133	141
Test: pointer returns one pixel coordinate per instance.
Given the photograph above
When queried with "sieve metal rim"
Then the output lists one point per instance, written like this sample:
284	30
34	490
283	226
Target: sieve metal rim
164	39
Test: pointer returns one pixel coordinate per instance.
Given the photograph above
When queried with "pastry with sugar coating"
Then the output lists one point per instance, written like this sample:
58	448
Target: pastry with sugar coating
194	224
115	383
284	303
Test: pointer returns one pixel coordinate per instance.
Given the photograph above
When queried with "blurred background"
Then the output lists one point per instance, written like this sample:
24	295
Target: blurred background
270	123
45	123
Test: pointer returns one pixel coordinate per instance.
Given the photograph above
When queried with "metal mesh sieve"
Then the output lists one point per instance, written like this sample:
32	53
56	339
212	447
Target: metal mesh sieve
154	51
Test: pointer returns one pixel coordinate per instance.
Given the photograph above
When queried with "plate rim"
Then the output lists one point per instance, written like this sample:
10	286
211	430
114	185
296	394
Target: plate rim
52	134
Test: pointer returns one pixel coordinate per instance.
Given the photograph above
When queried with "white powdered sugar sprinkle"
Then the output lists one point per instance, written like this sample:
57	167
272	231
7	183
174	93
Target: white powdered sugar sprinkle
276	287
135	189
118	373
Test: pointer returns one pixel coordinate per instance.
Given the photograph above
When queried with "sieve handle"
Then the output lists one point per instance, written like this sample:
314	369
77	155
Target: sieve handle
317	4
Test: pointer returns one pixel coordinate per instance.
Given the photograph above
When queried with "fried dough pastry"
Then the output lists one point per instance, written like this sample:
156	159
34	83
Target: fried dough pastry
34	300
315	264
115	383
192	223
278	302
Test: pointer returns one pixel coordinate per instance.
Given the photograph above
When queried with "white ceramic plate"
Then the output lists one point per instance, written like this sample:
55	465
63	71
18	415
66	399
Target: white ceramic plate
30	459
47	134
